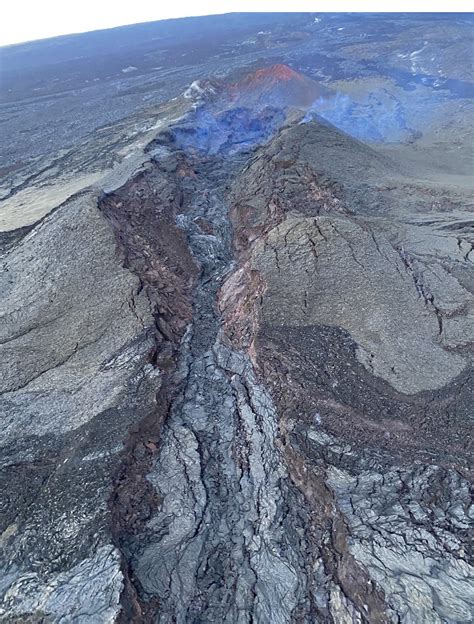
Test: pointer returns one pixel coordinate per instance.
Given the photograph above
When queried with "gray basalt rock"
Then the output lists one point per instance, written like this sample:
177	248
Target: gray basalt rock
346	276
74	354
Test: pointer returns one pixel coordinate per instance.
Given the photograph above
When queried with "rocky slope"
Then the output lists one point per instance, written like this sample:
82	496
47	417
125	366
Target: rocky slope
236	373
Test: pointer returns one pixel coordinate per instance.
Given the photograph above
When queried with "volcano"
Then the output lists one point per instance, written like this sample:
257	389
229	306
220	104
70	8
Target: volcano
232	115
276	86
236	339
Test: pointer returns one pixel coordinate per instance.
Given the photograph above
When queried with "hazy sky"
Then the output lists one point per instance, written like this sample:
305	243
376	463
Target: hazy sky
36	19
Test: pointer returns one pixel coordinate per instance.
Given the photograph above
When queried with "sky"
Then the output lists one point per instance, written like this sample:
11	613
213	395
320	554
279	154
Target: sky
25	20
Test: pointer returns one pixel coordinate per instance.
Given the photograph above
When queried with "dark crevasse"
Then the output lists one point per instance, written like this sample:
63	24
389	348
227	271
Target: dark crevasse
201	539
211	525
